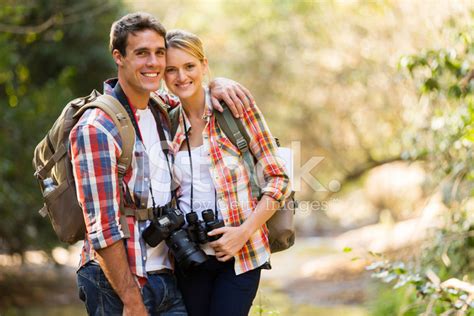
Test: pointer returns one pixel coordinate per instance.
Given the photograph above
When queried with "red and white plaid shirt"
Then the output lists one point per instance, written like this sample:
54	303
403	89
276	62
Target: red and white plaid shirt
95	146
231	178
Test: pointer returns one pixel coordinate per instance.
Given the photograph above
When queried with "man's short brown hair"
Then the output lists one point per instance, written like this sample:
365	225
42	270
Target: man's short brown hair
130	24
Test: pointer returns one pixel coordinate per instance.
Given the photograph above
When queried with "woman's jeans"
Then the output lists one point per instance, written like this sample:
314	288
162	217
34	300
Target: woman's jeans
160	294
213	289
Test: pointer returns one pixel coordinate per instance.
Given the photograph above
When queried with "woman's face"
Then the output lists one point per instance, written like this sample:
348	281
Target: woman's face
184	73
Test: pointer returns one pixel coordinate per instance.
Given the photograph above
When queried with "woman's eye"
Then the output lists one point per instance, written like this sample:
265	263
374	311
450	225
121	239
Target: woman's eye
189	67
170	70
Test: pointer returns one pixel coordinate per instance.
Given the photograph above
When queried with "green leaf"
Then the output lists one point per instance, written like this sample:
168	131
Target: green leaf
430	85
347	249
375	254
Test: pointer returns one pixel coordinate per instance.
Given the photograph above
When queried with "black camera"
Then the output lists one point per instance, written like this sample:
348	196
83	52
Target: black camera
212	223
168	227
198	229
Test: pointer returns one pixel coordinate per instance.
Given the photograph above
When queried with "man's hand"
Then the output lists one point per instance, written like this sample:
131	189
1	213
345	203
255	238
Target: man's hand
114	263
237	97
232	240
137	309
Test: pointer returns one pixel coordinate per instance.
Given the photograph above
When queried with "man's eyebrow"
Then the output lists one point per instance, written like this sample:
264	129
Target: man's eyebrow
141	49
147	49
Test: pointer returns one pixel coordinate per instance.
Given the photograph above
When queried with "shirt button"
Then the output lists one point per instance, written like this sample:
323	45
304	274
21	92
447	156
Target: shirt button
146	179
144	258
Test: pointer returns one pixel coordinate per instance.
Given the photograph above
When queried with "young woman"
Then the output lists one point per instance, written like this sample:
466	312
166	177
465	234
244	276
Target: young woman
212	175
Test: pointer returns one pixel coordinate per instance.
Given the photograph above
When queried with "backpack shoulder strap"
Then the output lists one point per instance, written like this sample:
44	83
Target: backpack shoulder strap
119	115
238	136
233	129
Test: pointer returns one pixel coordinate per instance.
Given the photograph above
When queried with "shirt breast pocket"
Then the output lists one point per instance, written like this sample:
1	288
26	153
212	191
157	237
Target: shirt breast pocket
232	162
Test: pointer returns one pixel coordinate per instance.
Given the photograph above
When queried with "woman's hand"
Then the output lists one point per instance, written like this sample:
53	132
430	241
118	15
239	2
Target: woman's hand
236	96
232	240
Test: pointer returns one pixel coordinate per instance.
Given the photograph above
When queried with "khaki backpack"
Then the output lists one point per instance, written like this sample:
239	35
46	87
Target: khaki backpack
51	160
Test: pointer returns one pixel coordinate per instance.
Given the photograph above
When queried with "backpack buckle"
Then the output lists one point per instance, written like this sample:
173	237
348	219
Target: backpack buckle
43	211
242	144
120	116
122	169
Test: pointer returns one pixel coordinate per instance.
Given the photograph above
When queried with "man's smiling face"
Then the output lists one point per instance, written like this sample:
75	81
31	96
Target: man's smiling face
141	69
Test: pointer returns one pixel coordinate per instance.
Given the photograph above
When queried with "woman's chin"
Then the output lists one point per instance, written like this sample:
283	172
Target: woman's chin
183	95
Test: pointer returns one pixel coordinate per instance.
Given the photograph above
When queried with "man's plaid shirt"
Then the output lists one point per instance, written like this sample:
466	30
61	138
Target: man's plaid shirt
95	146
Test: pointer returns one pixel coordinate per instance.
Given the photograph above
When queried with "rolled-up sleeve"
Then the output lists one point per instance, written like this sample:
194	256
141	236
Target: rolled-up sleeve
94	153
264	149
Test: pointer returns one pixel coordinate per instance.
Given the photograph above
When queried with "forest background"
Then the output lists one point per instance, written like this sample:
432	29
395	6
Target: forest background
375	97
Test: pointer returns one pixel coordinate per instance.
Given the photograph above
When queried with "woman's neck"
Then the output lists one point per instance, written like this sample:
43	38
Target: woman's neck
194	105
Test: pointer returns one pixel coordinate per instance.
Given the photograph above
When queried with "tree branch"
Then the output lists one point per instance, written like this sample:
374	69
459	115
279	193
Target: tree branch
18	29
72	15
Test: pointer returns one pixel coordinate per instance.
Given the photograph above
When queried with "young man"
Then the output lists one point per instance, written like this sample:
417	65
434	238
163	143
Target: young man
121	275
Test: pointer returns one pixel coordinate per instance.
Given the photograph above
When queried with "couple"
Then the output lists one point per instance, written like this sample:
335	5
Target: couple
124	275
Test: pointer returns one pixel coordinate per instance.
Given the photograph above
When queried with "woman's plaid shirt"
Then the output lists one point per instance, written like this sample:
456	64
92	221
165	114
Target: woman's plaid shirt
231	178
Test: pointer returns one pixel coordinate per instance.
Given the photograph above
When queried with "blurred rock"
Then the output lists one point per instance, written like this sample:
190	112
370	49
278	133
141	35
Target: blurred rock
396	187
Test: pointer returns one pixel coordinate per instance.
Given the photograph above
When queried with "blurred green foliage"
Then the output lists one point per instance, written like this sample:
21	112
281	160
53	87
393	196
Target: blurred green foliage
445	79
323	72
50	52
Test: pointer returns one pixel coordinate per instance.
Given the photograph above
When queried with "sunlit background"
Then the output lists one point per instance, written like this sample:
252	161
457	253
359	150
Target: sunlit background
374	98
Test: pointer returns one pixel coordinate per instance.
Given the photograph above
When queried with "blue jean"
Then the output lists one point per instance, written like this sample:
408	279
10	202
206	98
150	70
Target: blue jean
213	289
160	294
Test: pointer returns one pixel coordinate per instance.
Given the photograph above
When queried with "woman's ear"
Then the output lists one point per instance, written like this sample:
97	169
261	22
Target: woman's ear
205	65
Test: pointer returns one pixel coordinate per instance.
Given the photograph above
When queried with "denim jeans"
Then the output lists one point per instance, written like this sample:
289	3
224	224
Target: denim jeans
213	289
160	294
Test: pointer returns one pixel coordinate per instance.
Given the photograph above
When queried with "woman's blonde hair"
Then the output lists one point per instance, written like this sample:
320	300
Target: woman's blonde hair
186	41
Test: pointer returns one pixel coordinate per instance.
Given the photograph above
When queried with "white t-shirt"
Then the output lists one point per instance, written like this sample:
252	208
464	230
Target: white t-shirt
157	257
204	190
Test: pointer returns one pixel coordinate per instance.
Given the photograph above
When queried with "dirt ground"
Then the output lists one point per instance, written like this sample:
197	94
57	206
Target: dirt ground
311	273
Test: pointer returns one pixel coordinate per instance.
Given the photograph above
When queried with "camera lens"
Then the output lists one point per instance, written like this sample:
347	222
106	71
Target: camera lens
186	252
169	228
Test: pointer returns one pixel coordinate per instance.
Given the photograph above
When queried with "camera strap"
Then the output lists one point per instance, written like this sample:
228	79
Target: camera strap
192	173
164	144
165	148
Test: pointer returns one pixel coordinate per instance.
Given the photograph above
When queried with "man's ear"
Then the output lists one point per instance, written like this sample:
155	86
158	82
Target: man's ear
117	57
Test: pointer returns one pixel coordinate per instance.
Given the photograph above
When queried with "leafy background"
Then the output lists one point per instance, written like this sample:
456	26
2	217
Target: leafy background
381	90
